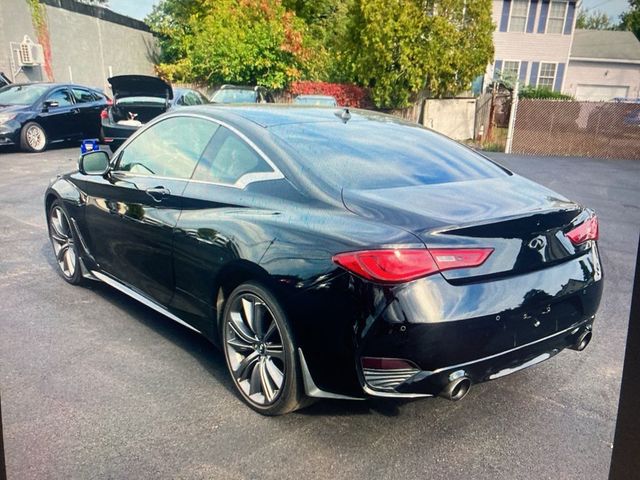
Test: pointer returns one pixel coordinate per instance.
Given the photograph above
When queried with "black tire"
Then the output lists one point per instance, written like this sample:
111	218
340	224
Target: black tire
33	138
290	396
64	242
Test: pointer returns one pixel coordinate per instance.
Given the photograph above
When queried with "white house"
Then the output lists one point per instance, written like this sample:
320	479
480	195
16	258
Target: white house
603	65
533	40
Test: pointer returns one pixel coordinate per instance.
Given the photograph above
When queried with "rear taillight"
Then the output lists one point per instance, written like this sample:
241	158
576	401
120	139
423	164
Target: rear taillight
587	230
109	101
104	114
403	265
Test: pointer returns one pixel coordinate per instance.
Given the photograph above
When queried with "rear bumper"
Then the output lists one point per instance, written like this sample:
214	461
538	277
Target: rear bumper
116	133
480	330
431	383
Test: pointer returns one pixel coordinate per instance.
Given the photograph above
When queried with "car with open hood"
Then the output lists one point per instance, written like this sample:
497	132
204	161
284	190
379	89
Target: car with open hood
138	99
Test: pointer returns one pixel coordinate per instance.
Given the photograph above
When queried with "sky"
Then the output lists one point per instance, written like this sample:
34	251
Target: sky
141	8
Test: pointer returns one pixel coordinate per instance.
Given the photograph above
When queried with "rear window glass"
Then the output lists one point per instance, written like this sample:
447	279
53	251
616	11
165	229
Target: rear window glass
141	100
368	154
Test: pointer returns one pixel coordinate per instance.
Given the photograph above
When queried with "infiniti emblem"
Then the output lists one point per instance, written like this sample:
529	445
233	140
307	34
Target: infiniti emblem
538	243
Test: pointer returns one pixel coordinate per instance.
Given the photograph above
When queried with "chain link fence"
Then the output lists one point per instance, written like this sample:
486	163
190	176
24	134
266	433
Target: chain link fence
590	129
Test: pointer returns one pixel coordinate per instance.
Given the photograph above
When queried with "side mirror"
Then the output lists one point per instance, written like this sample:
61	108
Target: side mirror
50	104
94	163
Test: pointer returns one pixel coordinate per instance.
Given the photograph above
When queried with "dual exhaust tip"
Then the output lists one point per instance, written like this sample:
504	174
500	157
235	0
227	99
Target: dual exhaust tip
583	340
456	389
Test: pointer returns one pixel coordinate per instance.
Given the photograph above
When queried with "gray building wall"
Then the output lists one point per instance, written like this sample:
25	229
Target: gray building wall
85	49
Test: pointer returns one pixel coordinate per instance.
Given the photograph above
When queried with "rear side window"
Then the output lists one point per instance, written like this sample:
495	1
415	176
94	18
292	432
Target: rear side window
82	96
170	148
228	159
381	153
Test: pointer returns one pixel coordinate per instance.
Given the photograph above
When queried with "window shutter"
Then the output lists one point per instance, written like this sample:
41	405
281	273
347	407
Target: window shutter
557	86
533	79
533	7
544	11
571	11
523	72
504	20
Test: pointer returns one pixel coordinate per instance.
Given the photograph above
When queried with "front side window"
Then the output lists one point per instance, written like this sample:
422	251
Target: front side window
547	76
229	158
557	13
82	96
170	148
519	11
63	97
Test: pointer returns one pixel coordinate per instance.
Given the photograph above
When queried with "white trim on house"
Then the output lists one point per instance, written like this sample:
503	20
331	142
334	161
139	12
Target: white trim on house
604	60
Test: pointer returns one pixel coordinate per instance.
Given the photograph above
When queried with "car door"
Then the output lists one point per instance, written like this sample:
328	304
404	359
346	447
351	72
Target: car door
217	211
60	121
90	107
130	215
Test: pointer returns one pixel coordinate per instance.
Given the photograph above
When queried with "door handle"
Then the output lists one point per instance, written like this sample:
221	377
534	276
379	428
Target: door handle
158	193
75	111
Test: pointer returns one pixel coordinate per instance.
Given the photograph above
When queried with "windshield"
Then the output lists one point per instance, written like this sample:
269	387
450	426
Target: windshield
21	94
374	154
141	100
234	95
318	101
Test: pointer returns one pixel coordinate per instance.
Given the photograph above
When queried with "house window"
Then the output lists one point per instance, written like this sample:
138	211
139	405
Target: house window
557	14
518	19
510	70
547	75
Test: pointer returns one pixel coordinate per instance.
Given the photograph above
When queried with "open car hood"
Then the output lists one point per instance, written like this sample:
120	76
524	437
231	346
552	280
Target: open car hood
139	86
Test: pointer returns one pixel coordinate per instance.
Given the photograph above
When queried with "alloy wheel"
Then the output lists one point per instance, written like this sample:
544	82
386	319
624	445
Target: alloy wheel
255	349
36	138
62	240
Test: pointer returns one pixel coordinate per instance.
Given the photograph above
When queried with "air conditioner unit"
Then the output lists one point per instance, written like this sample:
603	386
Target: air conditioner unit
30	54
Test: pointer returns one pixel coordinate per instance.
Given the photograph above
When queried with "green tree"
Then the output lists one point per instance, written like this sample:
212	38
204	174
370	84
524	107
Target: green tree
235	41
630	20
400	48
595	20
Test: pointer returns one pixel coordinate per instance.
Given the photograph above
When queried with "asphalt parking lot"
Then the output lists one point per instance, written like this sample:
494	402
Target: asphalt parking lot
94	385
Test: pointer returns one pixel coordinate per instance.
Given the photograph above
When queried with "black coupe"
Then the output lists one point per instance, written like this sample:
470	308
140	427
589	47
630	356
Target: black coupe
35	115
332	254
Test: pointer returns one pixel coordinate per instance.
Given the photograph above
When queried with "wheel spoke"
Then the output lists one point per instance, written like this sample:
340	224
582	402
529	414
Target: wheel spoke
254	383
246	366
276	375
240	329
259	319
275	350
265	381
247	309
62	252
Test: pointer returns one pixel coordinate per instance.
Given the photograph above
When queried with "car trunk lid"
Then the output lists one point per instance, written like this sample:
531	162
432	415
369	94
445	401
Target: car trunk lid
524	223
139	86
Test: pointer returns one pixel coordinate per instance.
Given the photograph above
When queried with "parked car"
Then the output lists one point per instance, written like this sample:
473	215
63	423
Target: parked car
316	100
138	99
332	256
35	115
239	94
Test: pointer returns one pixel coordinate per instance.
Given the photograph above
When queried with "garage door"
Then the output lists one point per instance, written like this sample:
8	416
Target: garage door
600	92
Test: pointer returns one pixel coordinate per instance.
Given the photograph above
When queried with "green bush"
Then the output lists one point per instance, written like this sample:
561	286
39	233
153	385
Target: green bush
542	93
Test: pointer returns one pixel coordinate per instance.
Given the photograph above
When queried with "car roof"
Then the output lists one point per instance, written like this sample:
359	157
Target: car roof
316	96
54	85
270	115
